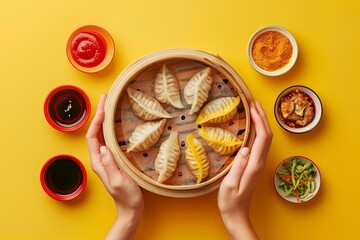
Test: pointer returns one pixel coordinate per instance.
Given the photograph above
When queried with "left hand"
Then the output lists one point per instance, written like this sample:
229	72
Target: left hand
126	193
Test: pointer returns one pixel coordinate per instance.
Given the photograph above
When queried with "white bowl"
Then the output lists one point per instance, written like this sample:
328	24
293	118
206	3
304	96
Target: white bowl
283	69
316	104
291	198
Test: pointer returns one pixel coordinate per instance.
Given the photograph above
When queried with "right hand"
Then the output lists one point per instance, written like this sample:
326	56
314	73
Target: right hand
238	185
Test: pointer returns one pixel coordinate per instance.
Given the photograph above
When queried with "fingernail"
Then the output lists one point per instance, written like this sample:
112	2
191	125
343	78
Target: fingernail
245	151
103	150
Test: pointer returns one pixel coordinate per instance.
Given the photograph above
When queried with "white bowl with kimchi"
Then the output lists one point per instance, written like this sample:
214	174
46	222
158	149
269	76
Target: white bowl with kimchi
298	109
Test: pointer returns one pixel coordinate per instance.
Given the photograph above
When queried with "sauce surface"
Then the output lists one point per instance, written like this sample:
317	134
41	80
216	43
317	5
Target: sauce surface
63	176
296	109
88	49
67	108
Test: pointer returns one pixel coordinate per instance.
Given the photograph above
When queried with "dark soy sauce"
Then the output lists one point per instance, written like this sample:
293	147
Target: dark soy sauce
68	107
63	176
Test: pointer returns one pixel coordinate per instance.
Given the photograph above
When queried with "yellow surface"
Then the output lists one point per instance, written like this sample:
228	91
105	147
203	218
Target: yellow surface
33	62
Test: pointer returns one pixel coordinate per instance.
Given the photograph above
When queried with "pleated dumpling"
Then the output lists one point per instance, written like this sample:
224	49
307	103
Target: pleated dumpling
167	158
145	136
196	158
196	91
219	110
145	106
220	140
166	88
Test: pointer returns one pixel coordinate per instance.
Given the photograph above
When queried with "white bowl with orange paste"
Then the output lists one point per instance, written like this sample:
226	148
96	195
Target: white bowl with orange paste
272	50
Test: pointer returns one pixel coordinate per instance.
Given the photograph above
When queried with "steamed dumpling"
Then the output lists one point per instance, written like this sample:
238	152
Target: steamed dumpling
196	158
166	88
145	136
145	106
196	91
167	158
220	140
219	110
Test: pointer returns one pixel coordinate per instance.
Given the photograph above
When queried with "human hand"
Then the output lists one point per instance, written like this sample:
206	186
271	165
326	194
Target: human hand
126	193
237	187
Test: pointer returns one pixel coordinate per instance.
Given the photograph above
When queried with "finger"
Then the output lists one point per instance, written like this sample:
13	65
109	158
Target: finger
263	132
260	146
111	170
95	127
98	118
233	178
263	116
101	108
267	133
259	118
260	132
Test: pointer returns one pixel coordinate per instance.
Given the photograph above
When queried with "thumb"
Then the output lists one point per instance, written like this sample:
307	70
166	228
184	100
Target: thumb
108	162
239	164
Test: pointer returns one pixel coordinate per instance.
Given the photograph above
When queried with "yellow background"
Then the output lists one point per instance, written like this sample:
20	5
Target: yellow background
33	36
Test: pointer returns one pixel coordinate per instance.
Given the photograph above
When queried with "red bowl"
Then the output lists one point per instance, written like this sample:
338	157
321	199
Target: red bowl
67	108
63	177
104	39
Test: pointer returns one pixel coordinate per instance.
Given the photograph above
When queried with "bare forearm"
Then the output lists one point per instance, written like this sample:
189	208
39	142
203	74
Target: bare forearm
124	228
240	227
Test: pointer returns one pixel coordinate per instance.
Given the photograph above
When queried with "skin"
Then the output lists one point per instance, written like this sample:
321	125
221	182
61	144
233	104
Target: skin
235	191
126	193
237	187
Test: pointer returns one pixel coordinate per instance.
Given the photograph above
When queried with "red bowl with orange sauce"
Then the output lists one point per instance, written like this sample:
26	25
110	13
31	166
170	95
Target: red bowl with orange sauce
90	49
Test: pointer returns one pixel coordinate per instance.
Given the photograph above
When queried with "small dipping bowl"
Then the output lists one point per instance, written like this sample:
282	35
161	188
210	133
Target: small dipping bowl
67	108
90	49
63	177
282	173
311	97
281	68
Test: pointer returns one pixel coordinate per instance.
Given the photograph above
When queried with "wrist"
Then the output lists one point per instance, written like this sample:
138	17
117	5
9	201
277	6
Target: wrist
125	225
239	226
131	210
132	216
127	222
234	219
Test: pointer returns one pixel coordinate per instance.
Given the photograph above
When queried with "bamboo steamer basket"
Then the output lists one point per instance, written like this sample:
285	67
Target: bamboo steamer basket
120	122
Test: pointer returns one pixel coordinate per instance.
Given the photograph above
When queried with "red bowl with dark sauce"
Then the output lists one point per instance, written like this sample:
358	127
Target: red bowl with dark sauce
67	108
63	177
298	109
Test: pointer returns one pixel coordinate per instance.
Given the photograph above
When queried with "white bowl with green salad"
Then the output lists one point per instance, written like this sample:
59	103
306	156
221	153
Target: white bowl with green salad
297	179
